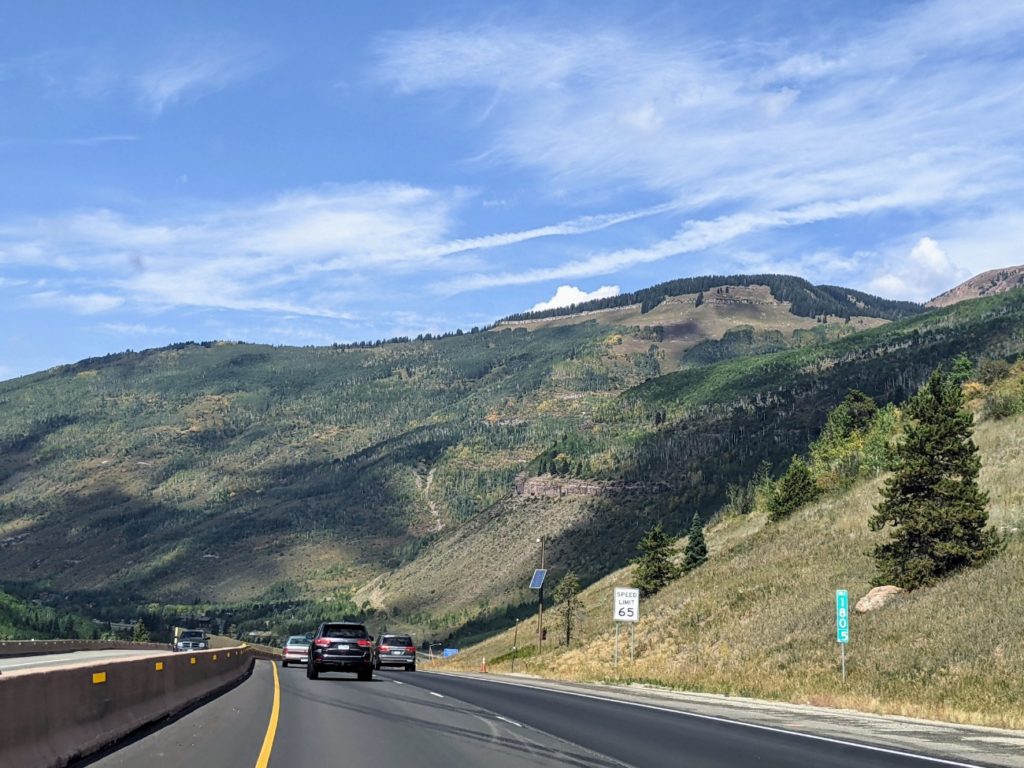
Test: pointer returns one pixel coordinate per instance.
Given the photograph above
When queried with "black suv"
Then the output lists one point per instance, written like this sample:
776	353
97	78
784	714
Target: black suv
395	651
340	646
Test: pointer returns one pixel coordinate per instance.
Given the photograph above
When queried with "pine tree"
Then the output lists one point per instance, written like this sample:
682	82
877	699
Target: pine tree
962	369
932	500
139	632
654	567
794	489
570	606
696	551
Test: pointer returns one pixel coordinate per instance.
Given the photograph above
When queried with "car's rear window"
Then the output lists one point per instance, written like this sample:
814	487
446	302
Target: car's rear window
396	640
344	630
297	640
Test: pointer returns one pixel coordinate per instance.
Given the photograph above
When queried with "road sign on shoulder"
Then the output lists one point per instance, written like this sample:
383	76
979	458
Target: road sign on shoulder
538	578
627	604
842	616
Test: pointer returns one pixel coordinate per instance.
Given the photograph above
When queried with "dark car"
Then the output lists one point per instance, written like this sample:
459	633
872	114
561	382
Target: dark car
395	651
341	646
192	640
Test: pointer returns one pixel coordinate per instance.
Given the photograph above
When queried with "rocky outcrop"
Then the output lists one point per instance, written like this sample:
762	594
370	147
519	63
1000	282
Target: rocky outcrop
877	598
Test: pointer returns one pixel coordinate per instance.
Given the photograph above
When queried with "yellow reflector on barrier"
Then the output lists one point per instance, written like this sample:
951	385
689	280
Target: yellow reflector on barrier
159	666
99	677
215	657
192	660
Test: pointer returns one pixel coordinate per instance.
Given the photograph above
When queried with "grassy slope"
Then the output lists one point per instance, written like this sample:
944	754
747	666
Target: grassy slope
686	325
758	618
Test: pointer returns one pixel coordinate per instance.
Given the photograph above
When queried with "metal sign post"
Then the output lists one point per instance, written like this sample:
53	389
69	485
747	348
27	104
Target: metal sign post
842	625
626	608
515	645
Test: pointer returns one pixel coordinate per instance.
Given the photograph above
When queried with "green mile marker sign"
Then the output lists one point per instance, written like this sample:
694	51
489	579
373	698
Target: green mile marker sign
842	616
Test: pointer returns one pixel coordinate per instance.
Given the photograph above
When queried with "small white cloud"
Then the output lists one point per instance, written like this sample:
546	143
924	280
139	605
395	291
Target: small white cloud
925	272
930	256
567	295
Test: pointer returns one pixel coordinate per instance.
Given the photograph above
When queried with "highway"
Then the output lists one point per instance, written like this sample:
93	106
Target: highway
10	664
425	720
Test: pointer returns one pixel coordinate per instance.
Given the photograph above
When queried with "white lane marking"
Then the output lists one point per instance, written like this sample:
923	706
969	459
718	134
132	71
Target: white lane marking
510	722
728	721
435	694
398	682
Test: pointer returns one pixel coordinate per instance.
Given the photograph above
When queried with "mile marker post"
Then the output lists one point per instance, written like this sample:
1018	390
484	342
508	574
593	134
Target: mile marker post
842	625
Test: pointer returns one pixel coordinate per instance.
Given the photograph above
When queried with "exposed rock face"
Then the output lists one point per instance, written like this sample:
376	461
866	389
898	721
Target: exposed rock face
552	487
547	486
878	597
987	283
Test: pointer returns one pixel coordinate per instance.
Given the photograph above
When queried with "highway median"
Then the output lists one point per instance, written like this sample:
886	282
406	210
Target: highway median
57	714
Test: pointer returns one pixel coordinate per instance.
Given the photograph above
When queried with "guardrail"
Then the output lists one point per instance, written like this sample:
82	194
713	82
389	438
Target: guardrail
54	715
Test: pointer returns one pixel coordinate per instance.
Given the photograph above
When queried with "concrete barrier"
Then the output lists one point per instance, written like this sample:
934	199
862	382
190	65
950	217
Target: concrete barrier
51	716
39	647
268	652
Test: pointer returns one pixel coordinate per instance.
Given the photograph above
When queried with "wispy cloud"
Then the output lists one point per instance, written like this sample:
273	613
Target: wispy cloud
306	253
94	141
193	71
694	236
137	329
919	111
82	304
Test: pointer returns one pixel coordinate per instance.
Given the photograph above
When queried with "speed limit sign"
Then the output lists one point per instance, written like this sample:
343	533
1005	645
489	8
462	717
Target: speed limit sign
627	604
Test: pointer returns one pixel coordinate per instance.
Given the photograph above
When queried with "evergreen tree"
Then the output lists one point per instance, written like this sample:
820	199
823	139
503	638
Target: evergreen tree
794	489
932	499
570	607
139	632
654	567
962	369
696	551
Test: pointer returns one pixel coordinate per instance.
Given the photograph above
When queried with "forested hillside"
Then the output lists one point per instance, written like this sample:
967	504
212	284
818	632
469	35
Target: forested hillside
805	300
412	478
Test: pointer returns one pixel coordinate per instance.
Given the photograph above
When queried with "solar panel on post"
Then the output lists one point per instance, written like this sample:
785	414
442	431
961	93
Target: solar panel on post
538	578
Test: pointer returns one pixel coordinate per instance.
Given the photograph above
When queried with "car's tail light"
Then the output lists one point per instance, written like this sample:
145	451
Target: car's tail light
322	642
363	643
410	649
385	649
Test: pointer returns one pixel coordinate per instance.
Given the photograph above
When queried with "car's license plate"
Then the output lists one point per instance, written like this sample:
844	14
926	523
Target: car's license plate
341	647
396	653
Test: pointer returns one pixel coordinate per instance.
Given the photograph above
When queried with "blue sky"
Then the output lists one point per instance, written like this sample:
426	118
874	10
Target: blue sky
323	171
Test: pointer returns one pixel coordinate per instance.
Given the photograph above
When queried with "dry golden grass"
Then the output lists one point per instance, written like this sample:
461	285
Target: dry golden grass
759	620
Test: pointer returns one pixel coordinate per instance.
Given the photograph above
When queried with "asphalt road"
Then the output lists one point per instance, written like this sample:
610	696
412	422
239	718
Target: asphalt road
424	720
23	663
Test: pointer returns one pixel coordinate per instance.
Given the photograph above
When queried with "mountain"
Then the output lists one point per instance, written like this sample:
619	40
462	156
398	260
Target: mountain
986	284
410	479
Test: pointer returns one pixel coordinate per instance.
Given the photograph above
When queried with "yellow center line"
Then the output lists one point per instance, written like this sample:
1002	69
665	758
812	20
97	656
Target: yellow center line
268	741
